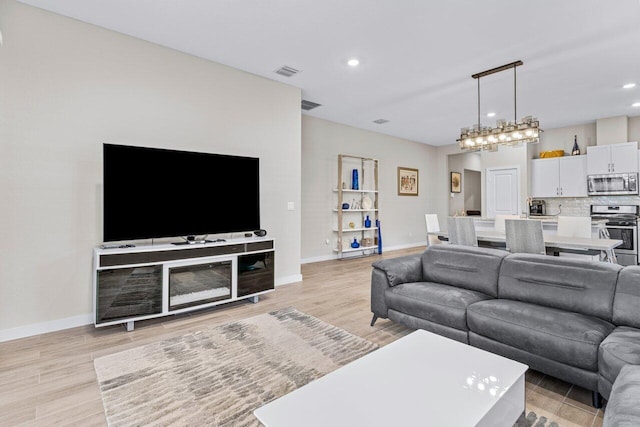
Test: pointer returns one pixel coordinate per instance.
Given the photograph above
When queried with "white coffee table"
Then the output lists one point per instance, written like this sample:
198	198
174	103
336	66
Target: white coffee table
421	379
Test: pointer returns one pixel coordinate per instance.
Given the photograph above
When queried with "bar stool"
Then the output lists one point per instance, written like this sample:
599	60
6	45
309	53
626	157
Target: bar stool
462	231
525	236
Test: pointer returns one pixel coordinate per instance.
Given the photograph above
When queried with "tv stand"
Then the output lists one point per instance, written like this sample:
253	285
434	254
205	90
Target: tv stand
144	282
193	242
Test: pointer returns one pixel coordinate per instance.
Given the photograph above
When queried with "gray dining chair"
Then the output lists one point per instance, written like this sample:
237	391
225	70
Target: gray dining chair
462	231
524	236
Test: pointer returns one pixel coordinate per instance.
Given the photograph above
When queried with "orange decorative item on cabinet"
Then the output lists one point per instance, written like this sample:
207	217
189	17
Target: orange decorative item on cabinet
552	153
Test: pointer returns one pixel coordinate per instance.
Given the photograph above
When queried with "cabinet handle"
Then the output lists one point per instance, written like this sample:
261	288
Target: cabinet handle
613	167
557	191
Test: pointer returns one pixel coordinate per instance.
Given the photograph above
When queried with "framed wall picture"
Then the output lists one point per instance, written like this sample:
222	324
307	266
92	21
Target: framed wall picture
407	181
456	182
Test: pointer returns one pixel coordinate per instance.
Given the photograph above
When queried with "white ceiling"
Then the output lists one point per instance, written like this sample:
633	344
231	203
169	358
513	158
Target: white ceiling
417	56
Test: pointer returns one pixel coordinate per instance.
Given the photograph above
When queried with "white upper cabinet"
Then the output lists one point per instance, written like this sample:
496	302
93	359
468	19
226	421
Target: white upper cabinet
559	177
545	175
614	158
573	176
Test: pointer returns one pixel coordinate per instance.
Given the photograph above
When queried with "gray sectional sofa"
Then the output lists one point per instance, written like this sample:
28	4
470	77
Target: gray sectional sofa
575	320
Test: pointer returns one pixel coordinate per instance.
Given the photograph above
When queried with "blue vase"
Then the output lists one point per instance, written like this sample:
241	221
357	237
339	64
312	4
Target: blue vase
355	243
379	236
367	222
354	180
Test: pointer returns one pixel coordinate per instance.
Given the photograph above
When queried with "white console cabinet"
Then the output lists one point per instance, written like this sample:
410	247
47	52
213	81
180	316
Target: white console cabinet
143	282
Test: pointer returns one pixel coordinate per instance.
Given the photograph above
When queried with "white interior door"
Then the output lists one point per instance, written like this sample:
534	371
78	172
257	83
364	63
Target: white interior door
503	191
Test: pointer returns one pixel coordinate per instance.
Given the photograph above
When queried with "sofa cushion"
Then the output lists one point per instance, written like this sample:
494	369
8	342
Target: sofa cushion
567	284
566	337
466	267
620	348
627	298
623	408
434	302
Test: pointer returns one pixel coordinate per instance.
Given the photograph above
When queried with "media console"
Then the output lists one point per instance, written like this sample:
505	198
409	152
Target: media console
143	282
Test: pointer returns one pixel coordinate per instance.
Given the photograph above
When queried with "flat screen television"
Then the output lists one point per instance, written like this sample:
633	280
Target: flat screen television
152	193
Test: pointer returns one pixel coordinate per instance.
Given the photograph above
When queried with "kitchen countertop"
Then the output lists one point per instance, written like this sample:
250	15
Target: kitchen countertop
548	218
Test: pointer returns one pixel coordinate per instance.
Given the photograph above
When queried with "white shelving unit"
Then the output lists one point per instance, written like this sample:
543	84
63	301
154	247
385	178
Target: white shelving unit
350	223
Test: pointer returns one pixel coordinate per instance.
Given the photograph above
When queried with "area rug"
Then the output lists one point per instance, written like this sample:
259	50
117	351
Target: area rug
219	376
533	420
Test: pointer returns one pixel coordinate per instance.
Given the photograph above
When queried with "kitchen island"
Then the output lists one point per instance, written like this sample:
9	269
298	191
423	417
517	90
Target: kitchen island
549	225
598	244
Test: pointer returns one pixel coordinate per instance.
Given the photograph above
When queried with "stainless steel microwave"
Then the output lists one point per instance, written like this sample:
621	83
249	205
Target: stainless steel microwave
612	184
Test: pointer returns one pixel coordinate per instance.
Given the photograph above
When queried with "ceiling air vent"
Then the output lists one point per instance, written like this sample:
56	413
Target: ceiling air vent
308	105
381	121
287	71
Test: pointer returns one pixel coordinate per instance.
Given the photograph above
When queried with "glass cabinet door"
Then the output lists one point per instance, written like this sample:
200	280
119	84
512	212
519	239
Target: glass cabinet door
255	273
198	284
128	292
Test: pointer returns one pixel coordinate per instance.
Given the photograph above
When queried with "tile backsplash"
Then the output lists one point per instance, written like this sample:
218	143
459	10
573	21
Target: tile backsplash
580	206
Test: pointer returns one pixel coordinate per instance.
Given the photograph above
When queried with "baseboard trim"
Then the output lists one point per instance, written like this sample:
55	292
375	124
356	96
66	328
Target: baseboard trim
289	279
318	259
45	327
84	319
384	249
407	246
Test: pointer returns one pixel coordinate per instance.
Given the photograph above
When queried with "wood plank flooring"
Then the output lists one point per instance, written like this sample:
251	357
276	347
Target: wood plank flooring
49	379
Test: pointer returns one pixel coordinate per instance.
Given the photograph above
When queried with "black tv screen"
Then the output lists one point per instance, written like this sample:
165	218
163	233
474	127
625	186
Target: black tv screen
151	193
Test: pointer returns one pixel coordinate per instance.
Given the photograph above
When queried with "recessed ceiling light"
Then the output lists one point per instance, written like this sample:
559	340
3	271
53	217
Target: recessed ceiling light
636	104
491	114
629	86
353	62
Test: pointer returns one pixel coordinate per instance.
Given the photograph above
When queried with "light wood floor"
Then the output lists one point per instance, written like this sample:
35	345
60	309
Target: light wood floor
50	380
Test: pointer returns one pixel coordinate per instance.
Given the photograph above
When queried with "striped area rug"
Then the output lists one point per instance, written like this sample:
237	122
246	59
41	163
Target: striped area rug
219	376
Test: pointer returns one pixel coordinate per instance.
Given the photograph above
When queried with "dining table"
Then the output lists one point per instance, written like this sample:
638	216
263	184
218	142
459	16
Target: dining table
553	243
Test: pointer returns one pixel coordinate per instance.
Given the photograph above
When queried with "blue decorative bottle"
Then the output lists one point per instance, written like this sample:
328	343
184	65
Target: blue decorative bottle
355	243
367	222
354	180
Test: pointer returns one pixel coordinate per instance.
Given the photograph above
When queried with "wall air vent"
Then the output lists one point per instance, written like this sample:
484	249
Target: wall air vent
287	71
308	105
381	121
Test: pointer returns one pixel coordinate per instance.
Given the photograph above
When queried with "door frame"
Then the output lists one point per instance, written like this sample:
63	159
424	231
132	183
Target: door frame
499	168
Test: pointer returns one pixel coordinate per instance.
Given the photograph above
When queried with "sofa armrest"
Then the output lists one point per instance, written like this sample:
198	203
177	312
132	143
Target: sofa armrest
400	270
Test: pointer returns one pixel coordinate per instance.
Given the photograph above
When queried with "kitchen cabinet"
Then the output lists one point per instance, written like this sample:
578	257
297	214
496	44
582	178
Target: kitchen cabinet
559	177
614	158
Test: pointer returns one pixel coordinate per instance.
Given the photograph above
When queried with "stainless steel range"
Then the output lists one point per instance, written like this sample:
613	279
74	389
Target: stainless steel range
622	225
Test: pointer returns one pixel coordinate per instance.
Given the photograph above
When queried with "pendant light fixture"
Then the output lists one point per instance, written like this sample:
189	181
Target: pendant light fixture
527	130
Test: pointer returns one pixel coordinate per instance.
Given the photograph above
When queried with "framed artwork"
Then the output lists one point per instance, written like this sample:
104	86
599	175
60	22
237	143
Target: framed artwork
456	182
407	181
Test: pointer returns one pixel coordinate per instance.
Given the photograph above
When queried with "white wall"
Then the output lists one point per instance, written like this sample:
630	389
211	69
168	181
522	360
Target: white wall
402	217
472	188
66	87
562	139
460	163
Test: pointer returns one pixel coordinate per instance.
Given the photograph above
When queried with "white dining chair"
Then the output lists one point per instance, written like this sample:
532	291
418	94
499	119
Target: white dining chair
574	226
525	236
498	223
462	231
433	226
